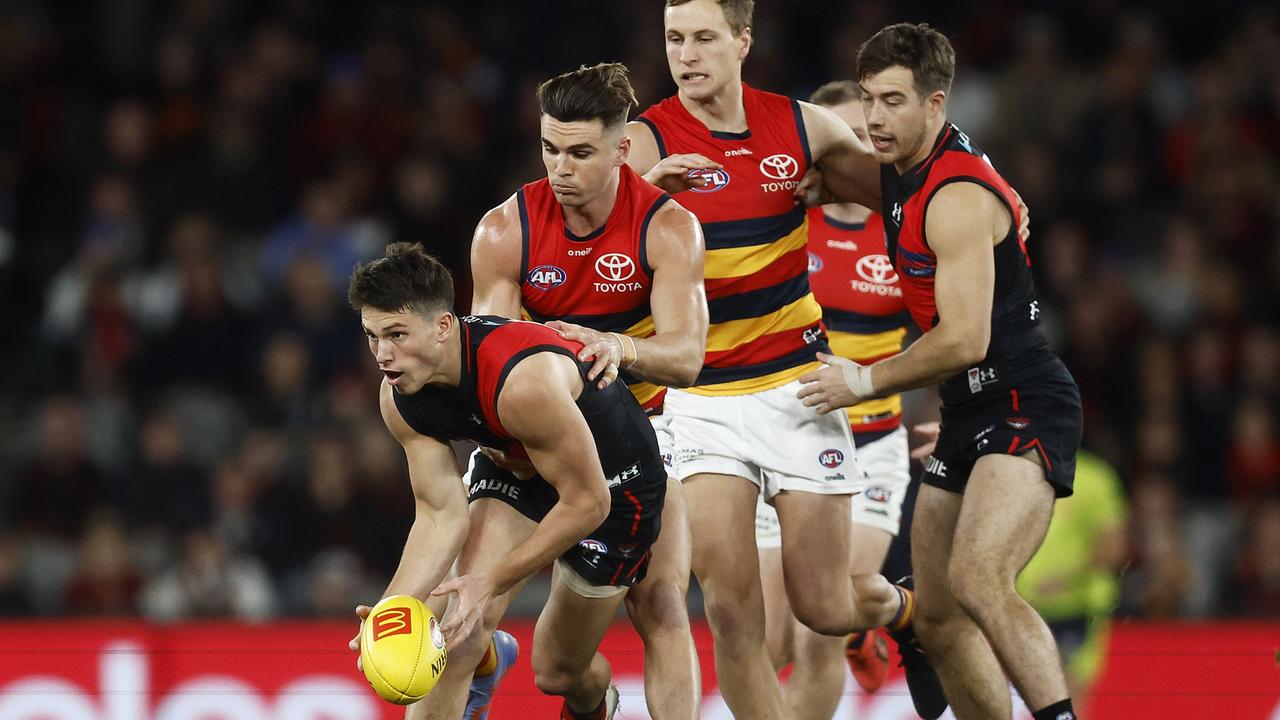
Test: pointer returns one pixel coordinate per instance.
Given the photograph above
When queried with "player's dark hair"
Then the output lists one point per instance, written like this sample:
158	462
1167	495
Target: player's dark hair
836	92
408	278
598	92
921	49
736	12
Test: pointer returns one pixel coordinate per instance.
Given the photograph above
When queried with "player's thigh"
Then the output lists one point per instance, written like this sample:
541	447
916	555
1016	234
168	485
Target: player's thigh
815	543
571	625
1003	518
496	529
671	552
721	512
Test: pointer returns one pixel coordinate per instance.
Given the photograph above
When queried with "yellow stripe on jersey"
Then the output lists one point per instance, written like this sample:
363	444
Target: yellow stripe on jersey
755	384
863	348
731	334
740	261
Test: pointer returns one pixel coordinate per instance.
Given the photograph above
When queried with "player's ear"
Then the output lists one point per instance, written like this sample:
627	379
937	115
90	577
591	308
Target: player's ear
622	150
937	102
444	325
744	38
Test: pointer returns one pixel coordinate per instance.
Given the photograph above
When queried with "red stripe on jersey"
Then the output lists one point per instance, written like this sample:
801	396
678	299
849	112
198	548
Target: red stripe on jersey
778	271
762	349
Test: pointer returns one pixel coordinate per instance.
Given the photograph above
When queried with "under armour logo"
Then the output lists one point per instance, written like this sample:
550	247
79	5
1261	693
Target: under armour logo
897	213
1035	309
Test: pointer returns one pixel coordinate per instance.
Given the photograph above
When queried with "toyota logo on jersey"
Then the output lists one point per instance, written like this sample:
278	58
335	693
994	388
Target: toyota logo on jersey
877	269
545	277
715	180
779	167
615	267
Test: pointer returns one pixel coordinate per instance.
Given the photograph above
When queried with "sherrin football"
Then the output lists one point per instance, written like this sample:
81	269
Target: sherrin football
402	649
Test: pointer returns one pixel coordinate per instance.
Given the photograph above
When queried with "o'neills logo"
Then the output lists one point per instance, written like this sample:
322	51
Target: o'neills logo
392	621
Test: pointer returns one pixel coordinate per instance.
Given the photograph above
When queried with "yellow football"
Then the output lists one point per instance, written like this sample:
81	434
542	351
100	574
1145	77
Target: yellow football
402	649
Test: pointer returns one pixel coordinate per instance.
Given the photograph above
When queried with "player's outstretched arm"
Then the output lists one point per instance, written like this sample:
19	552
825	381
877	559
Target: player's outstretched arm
536	405
440	507
495	262
440	512
673	354
964	221
850	172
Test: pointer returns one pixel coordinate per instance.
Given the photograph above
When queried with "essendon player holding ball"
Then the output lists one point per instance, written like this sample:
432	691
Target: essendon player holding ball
1011	419
593	506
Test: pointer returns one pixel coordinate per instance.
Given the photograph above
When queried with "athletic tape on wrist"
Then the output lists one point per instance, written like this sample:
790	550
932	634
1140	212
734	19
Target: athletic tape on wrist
628	358
858	378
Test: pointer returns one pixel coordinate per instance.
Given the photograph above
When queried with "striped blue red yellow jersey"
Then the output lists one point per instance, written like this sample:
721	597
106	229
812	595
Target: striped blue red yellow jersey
765	325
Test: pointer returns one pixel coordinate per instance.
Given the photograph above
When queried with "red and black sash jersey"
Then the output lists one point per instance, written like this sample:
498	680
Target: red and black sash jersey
602	280
862	304
1018	349
491	347
765	325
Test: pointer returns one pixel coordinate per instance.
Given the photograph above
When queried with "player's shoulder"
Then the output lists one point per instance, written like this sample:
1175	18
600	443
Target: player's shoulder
392	417
500	224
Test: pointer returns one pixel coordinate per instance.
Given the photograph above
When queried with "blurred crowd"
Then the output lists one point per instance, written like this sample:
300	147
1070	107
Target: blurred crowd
188	419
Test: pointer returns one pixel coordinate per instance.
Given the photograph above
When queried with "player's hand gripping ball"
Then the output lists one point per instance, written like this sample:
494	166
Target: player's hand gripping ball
402	649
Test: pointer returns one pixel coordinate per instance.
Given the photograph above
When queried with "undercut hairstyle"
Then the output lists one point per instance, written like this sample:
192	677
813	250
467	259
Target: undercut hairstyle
408	278
921	49
736	12
598	92
836	92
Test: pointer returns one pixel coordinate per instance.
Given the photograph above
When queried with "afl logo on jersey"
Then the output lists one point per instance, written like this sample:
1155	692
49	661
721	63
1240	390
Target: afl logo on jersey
615	267
545	277
779	167
877	269
715	180
815	263
831	458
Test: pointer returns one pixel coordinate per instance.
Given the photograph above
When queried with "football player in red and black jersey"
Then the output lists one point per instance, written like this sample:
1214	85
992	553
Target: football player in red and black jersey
591	501
1011	416
612	262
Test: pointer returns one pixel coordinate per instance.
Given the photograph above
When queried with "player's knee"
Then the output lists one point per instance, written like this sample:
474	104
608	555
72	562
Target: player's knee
657	606
554	679
975	589
730	618
822	618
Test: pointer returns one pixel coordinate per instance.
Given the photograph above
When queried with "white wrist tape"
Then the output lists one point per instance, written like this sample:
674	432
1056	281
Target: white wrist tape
628	347
858	378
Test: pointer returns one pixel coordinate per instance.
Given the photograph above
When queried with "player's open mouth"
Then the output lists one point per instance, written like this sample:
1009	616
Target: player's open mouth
880	142
392	375
694	77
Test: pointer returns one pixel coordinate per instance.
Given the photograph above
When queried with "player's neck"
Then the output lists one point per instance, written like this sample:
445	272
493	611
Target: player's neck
582	220
449	373
723	112
931	133
846	213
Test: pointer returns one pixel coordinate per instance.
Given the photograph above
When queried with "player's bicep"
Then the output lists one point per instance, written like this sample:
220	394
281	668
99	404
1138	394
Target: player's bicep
644	152
676	252
958	227
537	407
496	255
